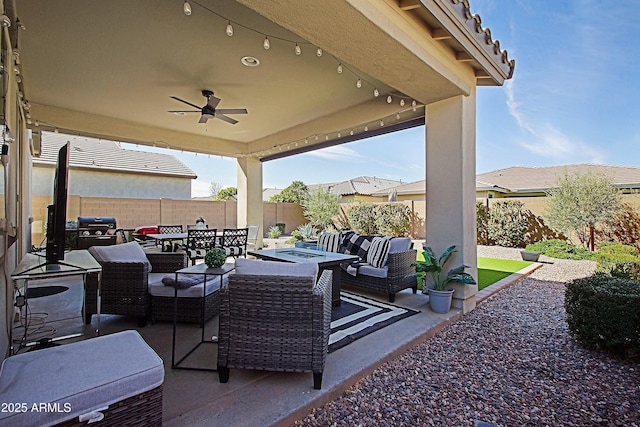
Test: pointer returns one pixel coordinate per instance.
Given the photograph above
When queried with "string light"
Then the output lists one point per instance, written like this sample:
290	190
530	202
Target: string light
359	83
389	99
402	102
319	52
266	44
229	29
298	50
376	93
339	69
186	8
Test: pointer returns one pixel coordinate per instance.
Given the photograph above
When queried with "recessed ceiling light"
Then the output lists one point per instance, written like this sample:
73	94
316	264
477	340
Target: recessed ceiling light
250	61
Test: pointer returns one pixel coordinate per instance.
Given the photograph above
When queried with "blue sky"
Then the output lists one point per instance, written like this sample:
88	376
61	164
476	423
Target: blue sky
574	98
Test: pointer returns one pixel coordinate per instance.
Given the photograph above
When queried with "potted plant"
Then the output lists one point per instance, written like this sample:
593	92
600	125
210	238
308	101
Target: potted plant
215	258
440	296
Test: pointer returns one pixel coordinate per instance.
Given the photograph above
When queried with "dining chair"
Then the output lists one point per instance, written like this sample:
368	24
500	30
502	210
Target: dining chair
234	241
170	245
199	242
252	237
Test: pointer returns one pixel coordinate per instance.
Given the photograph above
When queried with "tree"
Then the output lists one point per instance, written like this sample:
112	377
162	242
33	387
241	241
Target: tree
228	193
214	189
507	223
320	207
580	202
294	193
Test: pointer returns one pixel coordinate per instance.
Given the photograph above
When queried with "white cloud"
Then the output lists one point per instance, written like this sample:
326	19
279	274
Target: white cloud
554	144
337	152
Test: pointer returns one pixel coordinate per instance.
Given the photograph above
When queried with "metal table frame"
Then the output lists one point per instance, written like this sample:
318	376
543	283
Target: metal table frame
206	271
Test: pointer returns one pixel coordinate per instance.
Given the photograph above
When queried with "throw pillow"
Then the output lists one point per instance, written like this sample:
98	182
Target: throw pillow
184	280
329	242
378	251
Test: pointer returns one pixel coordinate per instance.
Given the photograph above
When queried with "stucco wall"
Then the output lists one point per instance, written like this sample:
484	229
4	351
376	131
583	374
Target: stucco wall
134	212
108	184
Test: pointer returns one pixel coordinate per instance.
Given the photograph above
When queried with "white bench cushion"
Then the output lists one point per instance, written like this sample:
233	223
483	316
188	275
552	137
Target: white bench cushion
78	378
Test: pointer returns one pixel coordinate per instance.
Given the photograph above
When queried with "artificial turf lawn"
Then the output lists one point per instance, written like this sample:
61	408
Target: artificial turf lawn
491	270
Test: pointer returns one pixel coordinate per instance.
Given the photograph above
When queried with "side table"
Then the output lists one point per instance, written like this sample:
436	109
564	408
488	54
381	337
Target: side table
205	271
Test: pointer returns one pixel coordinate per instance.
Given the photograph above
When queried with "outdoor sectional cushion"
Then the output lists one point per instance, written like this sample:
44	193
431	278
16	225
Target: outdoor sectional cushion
399	244
125	252
258	267
369	270
158	289
78	378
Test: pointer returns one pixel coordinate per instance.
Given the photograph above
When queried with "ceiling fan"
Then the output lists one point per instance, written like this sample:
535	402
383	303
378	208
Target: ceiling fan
209	111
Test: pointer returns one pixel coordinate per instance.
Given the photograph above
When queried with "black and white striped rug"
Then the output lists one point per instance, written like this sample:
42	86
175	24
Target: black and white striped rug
358	316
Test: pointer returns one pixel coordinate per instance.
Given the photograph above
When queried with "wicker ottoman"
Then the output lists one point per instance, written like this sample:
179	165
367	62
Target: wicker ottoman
190	301
115	380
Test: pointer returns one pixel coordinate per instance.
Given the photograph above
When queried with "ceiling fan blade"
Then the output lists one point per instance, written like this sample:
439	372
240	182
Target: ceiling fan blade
213	101
188	103
226	119
205	117
232	110
183	111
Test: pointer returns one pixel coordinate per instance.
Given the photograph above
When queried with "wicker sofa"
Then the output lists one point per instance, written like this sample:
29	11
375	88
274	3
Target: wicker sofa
125	279
275	316
387	273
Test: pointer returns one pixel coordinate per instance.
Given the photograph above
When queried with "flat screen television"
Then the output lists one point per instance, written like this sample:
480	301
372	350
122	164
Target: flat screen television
57	212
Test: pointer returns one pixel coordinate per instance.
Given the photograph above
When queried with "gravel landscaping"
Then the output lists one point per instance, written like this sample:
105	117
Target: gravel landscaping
510	362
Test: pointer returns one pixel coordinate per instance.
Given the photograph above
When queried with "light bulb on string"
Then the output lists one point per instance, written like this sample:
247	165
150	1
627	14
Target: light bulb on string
376	92
398	116
229	29
186	8
326	137
319	52
266	44
359	84
366	128
339	69
381	122
298	50
389	99
351	133
339	135
402	102
413	105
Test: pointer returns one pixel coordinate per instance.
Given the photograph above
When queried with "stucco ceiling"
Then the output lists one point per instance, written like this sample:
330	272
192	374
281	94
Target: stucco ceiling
108	69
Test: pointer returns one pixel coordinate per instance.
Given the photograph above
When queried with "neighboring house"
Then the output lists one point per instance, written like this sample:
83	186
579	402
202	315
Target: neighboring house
361	188
526	181
101	168
267	193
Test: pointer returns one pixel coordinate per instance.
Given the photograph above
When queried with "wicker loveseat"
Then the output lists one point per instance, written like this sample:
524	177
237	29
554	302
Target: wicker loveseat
125	279
275	316
386	262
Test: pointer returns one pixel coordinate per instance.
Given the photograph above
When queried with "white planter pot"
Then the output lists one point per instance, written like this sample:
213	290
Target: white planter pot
530	255
440	301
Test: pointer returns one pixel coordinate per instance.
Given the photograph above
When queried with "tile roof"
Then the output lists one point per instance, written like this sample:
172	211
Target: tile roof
364	185
527	179
91	153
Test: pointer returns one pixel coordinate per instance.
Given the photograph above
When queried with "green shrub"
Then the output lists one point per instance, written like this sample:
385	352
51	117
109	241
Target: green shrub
508	223
362	218
482	223
562	249
274	232
215	257
603	312
392	219
302	233
617	260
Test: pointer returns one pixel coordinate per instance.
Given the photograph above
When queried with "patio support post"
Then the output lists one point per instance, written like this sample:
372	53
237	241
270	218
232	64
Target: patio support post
450	188
250	194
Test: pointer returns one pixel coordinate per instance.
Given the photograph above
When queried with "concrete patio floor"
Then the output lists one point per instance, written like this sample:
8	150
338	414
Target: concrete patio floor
255	398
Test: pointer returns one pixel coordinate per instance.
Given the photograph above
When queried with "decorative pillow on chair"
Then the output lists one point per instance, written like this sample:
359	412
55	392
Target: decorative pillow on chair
125	252
378	251
357	244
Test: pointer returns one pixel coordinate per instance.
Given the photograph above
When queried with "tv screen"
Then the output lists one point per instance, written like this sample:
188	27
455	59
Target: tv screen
57	212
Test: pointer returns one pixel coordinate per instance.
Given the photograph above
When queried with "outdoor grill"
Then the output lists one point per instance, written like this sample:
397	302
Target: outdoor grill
96	231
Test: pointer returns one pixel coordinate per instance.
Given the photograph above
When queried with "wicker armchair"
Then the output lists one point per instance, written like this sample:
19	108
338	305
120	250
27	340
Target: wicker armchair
275	323
124	282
